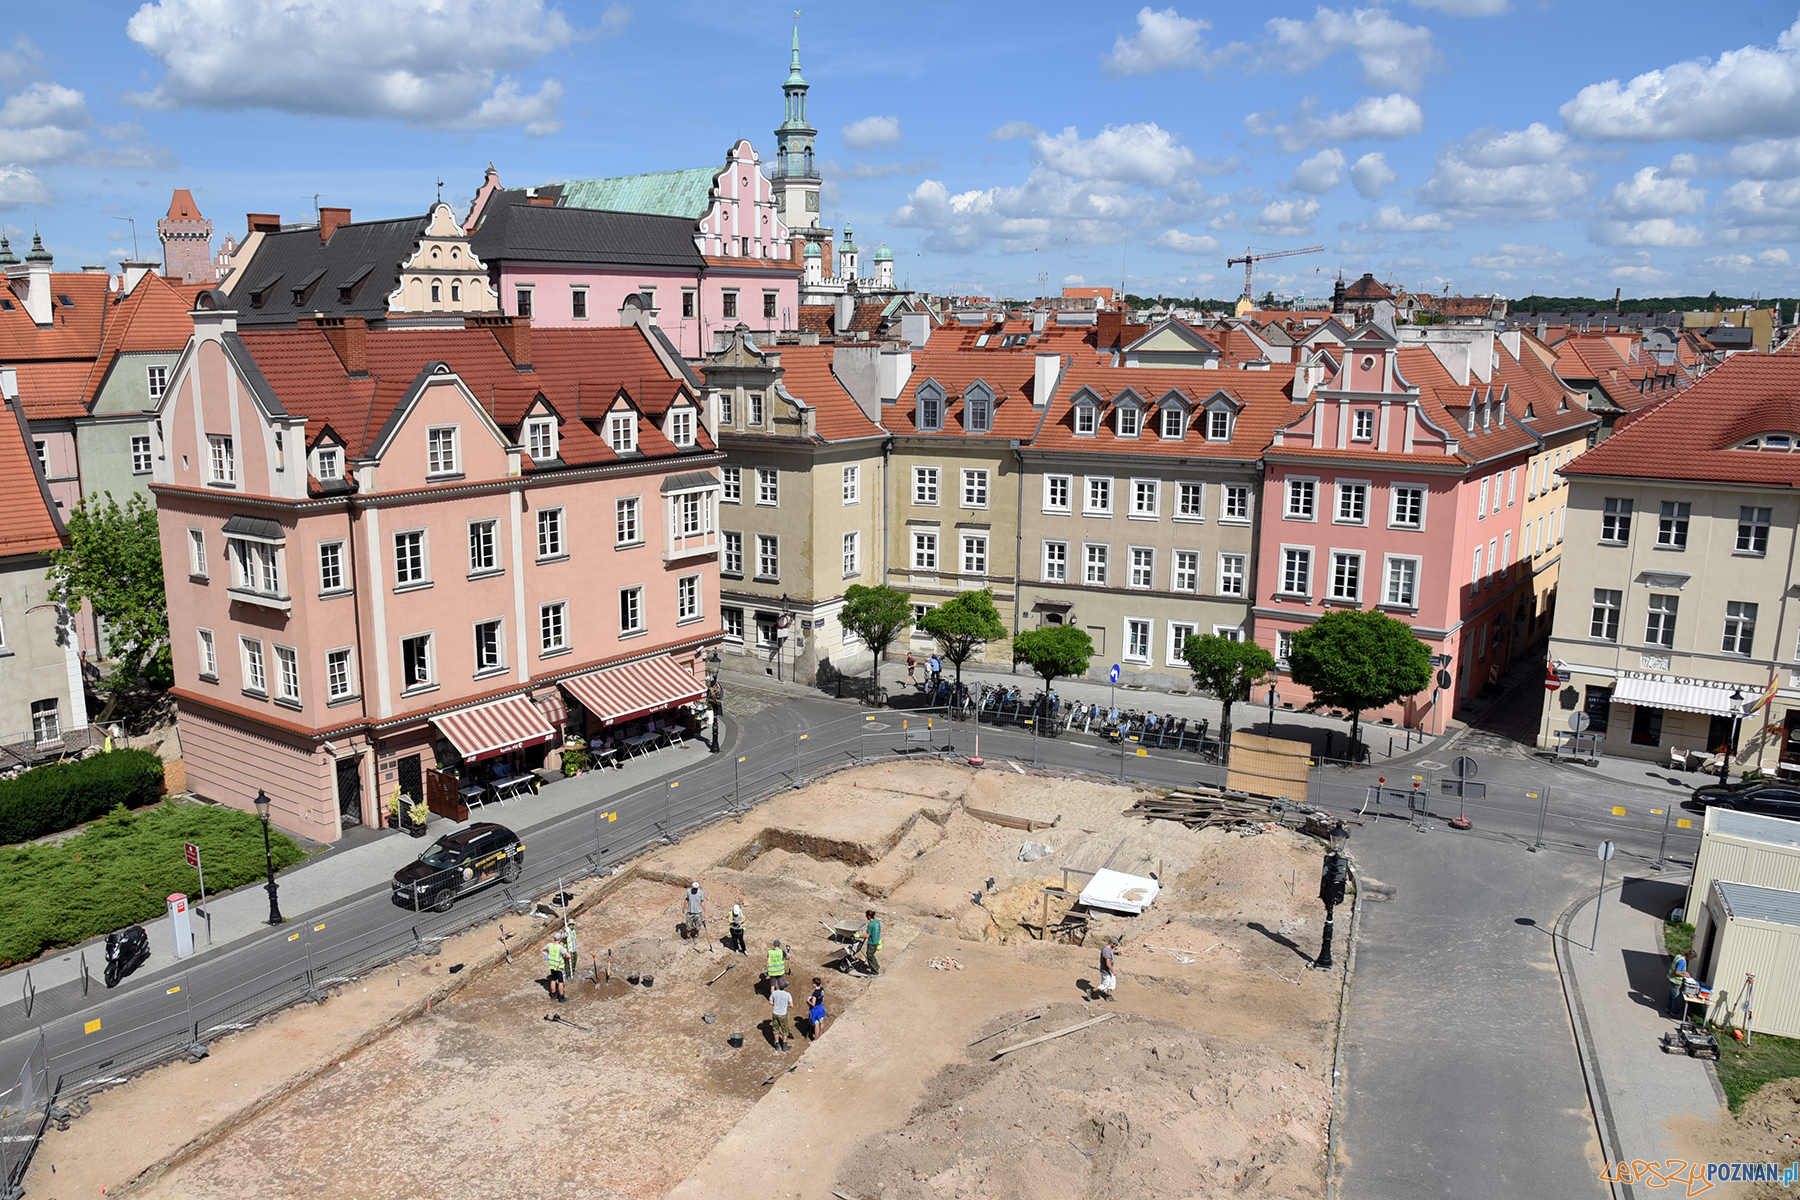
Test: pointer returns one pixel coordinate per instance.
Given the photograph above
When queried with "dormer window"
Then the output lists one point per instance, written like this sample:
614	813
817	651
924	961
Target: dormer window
1363	425
329	467
540	438
978	408
1174	425
930	413
1770	441
621	432
1129	419
1218	425
681	427
1087	420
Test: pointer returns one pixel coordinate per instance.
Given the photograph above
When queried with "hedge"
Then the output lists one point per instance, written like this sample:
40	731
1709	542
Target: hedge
63	795
121	870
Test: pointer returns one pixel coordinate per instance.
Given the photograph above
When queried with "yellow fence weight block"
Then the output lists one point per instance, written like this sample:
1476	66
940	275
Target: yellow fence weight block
293	937
1618	810
174	989
1683	823
91	1027
1143	753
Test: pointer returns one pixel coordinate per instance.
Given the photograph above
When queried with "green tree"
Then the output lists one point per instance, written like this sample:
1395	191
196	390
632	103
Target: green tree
1359	660
114	561
962	625
876	615
1226	670
1054	651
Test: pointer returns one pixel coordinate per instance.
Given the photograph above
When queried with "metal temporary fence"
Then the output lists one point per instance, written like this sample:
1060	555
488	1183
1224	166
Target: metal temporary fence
24	1111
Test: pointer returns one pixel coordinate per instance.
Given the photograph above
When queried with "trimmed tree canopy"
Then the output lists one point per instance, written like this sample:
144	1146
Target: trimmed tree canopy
1358	661
114	560
1226	670
964	624
876	615
1054	651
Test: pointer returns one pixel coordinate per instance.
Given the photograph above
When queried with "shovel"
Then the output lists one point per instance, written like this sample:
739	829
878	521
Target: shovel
556	1018
731	967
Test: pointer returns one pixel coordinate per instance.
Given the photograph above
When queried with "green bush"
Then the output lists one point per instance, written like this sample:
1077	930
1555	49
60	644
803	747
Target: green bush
122	870
63	795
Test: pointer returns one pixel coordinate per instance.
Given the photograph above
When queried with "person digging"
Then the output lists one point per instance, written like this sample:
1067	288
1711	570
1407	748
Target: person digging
696	911
557	955
736	938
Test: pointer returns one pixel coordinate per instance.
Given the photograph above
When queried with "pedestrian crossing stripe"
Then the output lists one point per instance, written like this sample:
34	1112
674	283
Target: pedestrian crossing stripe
1618	810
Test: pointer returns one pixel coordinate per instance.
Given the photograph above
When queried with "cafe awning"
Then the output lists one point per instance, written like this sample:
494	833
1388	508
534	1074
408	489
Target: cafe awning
1682	697
494	728
621	693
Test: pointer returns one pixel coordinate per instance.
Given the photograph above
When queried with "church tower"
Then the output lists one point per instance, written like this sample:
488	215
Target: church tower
187	241
796	177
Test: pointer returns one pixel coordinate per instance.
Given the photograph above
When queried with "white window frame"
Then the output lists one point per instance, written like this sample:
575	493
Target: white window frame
329	468
1130	627
443	453
287	674
553	628
852	485
484	535
156	380
255	666
731	560
1053	484
1218	425
925	486
551	542
1660	614
1740	628
925	551
1234	492
1140	572
331	567
540	438
731	485
768	551
339	684
1087	420
681	427
412	564
621	432
1362	425
498	665
628	521
1394	493
1351	489
687	599
1184	491
143	458
768	487
1096	564
852	554
974	487
1607	611
1306	553
1128	413
1100	504
221	460
1179	633
731	620
1056	561
1174	425
631	610
1138	510
1233	574
974	559
1411	602
1184	564
197	553
1300	499
1338	559
209	655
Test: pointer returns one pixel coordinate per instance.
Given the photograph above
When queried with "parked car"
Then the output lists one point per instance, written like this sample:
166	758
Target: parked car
1770	797
459	863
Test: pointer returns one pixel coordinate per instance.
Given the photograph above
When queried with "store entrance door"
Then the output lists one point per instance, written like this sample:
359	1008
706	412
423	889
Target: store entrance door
349	791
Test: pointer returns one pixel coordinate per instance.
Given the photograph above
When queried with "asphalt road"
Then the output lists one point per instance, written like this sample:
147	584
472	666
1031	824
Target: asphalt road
1439	959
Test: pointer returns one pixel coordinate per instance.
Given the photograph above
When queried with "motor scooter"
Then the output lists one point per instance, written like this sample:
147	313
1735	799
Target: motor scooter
126	951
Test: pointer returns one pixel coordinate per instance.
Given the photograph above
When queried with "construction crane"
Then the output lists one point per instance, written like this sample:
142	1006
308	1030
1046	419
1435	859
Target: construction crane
1250	260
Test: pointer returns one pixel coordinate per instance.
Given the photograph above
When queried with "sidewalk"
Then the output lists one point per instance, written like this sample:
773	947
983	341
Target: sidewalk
1616	997
341	873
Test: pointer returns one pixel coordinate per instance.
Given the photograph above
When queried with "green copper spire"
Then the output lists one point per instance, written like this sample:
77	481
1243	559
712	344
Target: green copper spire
794	63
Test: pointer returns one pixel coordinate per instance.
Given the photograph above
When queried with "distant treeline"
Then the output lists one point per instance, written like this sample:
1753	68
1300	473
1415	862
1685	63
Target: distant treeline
1651	304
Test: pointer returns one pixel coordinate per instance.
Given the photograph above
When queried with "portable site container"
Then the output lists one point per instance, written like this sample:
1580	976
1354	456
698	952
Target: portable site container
1744	848
1746	930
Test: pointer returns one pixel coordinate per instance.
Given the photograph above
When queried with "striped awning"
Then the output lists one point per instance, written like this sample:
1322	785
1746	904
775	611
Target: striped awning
1682	697
552	705
621	693
490	729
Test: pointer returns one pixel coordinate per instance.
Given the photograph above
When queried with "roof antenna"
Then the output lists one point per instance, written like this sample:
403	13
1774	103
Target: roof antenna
315	199
134	246
440	198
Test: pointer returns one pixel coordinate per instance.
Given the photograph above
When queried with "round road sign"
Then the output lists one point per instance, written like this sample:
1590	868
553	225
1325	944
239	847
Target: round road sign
1465	767
1114	673
1605	851
1578	721
1443	678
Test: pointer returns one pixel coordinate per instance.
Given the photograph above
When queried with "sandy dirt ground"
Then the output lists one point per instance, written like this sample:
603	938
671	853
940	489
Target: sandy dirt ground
1211	1077
1765	1130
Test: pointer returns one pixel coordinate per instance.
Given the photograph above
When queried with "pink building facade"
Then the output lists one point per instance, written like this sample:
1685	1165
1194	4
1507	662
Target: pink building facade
1377	497
392	552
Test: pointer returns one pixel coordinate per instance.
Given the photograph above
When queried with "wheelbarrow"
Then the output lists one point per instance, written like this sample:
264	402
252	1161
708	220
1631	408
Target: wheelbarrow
845	931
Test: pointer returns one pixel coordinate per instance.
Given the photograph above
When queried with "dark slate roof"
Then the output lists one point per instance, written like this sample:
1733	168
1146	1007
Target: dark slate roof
688	481
259	527
538	233
364	256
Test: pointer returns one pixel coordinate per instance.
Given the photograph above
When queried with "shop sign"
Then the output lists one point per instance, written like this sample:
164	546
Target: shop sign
1657	677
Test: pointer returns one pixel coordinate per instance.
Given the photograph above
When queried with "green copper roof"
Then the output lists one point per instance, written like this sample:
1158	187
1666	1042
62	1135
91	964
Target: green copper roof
660	193
883	254
794	65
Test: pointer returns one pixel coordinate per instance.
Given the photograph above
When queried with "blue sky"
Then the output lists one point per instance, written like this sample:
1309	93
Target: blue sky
1509	145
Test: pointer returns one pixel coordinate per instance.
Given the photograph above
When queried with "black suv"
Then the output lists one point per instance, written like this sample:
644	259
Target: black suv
1771	798
459	863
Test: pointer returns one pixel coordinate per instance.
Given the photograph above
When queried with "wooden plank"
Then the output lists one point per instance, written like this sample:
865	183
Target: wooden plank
1049	1037
1028	824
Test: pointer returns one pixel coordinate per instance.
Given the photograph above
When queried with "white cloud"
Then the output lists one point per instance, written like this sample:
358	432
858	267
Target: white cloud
50	123
1770	159
1642	275
1386	118
1393	53
1074	280
1518	256
1389	219
1753	91
1178	242
1318	174
1372	175
1165	41
1287	218
420	61
1509	177
1752	210
1637	212
1146	154
871	132
20	63
1775	258
20	187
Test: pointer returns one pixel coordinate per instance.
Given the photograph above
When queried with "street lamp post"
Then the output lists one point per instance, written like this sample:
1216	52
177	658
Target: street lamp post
262	810
1737	724
1331	887
716	700
1274	696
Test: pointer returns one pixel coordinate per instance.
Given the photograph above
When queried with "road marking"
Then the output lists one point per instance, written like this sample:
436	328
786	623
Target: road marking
1683	823
1618	810
92	1026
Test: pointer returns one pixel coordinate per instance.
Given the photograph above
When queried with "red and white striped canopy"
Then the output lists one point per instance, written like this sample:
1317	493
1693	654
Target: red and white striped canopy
494	728
621	693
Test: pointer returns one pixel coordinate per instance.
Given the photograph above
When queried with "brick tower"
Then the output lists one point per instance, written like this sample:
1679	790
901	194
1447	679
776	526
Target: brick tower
187	241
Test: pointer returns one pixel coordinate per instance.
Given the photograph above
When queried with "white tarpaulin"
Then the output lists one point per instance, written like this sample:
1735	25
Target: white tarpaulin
1683	697
1119	892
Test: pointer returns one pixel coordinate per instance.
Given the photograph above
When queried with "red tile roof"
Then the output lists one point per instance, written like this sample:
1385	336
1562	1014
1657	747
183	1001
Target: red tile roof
578	371
1694	434
816	318
1011	376
1265	396
181	204
74	329
53	390
28	522
155	316
807	375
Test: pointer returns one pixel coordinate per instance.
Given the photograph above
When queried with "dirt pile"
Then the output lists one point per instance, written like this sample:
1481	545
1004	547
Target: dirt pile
1765	1130
1137	1107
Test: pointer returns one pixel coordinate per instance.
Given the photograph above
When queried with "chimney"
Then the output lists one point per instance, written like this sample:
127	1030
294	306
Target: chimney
513	334
860	369
894	370
1618	292
31	281
135	271
844	314
262	222
330	219
349	336
1044	378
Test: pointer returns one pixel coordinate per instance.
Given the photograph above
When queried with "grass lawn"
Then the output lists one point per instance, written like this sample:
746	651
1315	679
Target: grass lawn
121	871
1742	1071
1678	937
